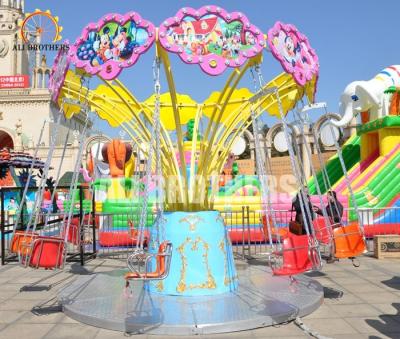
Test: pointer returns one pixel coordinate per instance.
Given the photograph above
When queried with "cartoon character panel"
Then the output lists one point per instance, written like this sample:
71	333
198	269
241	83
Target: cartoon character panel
114	43
12	203
211	37
293	51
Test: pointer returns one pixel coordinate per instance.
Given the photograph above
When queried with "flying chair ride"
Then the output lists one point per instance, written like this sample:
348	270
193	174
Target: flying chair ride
215	40
188	249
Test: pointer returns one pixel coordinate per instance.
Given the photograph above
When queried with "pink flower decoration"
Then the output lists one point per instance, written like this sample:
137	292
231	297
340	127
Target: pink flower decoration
58	72
211	37
293	51
113	43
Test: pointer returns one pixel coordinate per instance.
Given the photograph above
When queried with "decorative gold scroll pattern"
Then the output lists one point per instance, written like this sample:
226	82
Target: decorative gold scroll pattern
192	220
209	283
227	278
160	286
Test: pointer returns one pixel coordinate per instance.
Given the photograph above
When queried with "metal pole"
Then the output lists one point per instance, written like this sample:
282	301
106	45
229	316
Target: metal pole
21	207
94	222
81	221
248	231
243	230
3	250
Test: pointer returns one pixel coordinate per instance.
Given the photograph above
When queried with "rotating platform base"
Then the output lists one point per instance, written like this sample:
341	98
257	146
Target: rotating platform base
261	300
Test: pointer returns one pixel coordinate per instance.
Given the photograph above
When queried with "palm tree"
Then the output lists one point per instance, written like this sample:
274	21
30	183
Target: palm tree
23	178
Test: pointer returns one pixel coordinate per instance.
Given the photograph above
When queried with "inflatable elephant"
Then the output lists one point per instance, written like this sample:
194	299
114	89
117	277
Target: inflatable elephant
368	96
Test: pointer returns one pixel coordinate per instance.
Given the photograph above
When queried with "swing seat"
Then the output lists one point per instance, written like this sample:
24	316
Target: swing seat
140	259
349	241
20	240
296	256
45	252
322	232
73	233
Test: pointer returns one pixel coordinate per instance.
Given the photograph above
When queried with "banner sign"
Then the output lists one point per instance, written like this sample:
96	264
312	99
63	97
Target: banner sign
14	81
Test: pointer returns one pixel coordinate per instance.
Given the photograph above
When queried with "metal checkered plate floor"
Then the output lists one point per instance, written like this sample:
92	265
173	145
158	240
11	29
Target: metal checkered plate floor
261	300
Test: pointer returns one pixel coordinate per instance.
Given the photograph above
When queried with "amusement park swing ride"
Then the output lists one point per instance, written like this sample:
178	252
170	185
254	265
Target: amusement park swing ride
185	277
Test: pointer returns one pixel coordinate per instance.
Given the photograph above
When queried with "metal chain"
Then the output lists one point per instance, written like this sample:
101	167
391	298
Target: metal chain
261	165
304	206
75	177
155	136
324	172
143	212
39	195
74	181
159	178
313	172
347	180
325	176
58	175
23	199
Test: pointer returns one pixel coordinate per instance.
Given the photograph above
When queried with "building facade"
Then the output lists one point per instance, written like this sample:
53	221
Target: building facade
24	112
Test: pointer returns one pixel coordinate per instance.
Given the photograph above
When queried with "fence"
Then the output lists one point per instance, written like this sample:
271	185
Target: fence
50	221
115	235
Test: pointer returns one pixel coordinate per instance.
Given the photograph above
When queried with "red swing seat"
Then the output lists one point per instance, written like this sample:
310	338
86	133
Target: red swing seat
349	241
162	258
45	252
73	233
296	256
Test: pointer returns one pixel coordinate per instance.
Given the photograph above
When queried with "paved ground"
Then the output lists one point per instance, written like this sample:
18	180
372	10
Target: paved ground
359	302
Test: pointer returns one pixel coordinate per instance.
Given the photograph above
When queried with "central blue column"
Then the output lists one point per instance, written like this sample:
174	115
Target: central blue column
202	259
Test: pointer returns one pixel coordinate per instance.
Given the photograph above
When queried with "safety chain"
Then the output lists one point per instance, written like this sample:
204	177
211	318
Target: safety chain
304	206
159	177
155	136
260	159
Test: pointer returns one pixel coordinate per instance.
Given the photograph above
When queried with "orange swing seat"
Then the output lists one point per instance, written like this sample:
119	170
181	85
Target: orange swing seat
21	241
162	258
349	241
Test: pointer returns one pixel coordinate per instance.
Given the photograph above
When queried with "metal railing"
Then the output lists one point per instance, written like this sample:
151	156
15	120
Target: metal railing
249	238
51	222
115	235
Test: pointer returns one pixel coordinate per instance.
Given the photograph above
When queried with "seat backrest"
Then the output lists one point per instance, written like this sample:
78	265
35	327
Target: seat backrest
296	253
73	233
47	253
164	248
21	241
321	230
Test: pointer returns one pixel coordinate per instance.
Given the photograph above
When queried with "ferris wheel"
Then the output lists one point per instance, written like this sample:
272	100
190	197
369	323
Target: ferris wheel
40	26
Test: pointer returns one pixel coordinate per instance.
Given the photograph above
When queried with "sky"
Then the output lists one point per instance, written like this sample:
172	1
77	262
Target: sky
354	40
